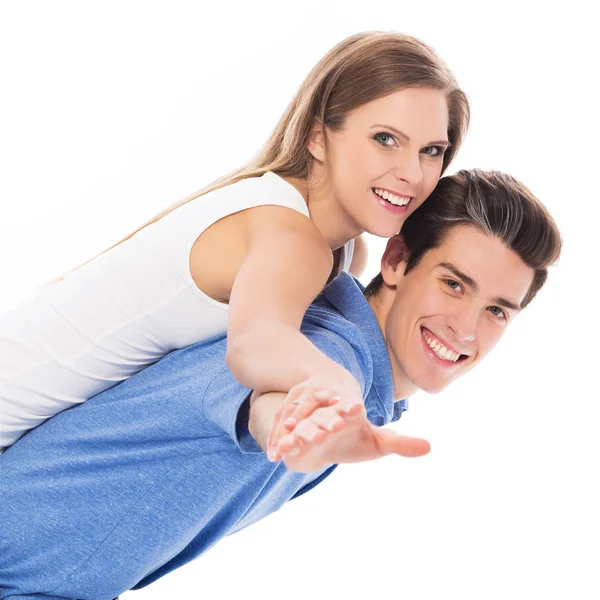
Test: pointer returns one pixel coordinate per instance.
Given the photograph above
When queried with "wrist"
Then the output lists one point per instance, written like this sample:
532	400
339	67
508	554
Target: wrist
263	408
335	373
253	418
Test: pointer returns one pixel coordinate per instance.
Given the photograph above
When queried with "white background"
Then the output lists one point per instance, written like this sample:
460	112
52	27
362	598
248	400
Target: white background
112	111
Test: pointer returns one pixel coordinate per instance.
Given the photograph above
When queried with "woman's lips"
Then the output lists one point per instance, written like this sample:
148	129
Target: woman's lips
398	210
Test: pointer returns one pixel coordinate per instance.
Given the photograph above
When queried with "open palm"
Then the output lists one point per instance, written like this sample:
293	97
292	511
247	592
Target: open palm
357	440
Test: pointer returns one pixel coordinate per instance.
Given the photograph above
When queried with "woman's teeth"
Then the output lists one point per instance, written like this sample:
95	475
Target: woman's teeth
397	200
441	350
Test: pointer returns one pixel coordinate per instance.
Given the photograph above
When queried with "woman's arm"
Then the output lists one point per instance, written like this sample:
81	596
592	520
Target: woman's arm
286	265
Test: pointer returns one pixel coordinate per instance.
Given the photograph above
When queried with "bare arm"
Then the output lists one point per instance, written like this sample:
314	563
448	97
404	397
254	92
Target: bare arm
285	267
263	408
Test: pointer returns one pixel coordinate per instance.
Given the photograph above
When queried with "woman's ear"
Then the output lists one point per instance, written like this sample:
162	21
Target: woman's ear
393	261
316	141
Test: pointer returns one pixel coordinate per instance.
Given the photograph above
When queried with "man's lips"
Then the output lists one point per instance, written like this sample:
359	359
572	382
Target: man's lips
440	349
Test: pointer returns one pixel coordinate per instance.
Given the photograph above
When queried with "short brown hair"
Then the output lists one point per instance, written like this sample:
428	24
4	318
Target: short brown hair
497	204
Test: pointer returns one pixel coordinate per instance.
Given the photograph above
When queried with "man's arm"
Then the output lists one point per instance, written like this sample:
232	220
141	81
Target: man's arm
263	408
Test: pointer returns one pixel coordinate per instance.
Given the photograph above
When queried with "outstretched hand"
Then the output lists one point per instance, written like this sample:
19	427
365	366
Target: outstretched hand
331	433
313	393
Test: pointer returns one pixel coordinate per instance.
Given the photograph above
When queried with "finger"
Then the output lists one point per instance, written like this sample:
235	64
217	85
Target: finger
297	410
286	421
309	402
331	418
328	418
312	430
289	445
292	396
308	431
315	428
279	427
404	445
300	451
349	404
295	398
273	454
351	408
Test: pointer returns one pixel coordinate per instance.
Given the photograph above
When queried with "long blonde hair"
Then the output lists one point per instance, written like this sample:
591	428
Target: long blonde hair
361	68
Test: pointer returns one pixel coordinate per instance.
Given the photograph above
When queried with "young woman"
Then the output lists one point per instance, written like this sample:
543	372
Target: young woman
359	148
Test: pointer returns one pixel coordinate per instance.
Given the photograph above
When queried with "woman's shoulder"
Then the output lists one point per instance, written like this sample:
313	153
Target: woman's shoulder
268	188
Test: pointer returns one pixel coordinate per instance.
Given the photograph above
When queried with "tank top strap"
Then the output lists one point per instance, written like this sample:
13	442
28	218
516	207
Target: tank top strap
346	254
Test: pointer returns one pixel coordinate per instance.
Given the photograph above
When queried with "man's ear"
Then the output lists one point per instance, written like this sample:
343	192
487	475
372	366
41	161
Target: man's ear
393	261
316	141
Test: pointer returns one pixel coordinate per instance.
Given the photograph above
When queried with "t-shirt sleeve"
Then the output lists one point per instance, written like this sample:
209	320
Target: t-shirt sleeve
226	404
226	401
338	349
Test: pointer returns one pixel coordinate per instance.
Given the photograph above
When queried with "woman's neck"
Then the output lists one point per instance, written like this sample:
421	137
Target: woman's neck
334	224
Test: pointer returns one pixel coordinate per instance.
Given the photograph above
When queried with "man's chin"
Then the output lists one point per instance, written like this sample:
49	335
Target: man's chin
434	389
436	380
431	385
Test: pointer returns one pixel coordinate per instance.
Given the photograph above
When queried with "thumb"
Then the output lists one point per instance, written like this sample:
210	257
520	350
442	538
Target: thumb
391	442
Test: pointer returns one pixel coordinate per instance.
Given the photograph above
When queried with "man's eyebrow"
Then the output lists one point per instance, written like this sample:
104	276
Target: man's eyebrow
470	282
402	135
473	285
506	303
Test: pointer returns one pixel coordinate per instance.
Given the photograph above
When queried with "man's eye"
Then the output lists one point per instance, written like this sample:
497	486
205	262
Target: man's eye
497	312
453	284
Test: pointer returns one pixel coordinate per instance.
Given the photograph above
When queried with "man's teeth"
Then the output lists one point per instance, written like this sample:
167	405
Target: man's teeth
441	350
397	200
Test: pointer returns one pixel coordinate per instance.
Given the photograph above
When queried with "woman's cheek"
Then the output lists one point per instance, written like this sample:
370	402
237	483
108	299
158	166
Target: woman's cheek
431	179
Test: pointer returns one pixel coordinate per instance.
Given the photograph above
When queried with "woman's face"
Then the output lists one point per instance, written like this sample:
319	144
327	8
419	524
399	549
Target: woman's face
387	158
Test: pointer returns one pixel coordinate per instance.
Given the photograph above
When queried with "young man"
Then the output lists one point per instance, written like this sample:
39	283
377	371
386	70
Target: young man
118	491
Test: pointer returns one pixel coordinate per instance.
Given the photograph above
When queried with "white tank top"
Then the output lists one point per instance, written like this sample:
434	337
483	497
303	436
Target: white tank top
120	312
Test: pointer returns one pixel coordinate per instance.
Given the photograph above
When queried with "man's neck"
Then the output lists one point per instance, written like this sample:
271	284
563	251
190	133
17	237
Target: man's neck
380	305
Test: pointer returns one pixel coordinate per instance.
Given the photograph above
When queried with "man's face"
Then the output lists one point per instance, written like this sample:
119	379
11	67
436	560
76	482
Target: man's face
448	312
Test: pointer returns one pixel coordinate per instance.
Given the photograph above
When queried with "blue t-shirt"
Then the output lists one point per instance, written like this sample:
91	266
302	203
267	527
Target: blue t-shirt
146	476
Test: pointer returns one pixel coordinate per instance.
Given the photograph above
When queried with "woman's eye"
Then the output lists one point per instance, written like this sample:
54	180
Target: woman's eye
384	138
453	284
434	150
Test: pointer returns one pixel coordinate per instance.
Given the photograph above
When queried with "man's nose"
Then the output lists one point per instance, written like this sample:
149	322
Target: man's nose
463	324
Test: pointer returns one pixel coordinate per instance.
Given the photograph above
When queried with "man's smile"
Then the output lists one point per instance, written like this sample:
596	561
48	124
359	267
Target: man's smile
440	349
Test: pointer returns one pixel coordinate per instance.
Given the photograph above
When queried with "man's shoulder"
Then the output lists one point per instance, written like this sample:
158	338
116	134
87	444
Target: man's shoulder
340	339
323	317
